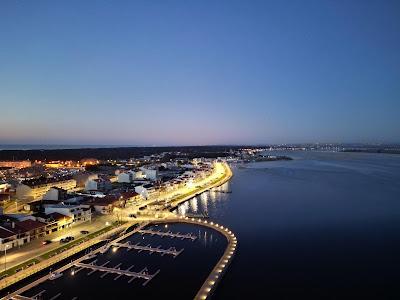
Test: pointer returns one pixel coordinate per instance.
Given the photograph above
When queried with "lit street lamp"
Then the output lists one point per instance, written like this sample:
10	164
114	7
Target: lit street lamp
5	257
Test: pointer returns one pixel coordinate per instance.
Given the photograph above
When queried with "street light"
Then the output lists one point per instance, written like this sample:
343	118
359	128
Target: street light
5	257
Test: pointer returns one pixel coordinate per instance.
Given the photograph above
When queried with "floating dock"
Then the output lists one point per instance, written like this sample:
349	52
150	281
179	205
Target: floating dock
170	251
169	234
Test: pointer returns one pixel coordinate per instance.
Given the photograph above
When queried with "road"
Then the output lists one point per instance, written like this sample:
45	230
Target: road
35	248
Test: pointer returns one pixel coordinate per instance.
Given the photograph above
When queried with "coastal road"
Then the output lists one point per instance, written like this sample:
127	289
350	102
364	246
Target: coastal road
35	248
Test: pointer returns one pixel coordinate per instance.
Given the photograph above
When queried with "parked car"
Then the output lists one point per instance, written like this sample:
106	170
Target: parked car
132	216
67	239
84	232
46	242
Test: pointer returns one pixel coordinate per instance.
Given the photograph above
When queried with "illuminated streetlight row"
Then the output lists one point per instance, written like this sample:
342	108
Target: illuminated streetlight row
216	273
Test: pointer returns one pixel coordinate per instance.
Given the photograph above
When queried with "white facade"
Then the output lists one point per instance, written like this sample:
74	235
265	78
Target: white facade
79	213
4	186
142	191
98	185
52	194
126	177
149	173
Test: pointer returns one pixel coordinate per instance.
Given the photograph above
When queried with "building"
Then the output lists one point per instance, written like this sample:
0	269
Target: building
54	221
126	177
100	184
35	189
89	162
145	190
19	164
78	213
149	173
105	205
83	177
31	229
4	186
55	193
8	239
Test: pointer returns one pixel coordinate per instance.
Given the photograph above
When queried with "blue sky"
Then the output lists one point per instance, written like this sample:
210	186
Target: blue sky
199	72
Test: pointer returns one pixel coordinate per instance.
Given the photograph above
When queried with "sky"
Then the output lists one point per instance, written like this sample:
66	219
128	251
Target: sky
199	72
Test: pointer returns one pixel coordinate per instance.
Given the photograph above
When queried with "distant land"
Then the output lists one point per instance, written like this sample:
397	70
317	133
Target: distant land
76	152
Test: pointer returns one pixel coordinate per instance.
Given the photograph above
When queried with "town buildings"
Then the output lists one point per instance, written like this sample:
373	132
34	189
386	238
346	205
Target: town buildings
30	190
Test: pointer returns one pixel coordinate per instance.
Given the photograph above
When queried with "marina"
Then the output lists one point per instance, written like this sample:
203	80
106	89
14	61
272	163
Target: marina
126	264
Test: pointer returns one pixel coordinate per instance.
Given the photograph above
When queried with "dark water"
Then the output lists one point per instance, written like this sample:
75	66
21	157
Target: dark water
179	278
324	226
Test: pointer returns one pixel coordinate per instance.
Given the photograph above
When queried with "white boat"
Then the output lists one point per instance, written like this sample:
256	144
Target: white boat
54	275
104	249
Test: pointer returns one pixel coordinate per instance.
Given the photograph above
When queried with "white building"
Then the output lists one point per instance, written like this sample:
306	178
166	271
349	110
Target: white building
55	193
149	173
144	190
79	213
126	177
35	189
99	184
4	186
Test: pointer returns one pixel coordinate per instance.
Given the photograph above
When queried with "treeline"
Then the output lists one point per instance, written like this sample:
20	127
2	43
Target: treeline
115	153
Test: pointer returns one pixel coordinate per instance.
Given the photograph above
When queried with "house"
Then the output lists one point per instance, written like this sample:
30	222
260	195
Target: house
54	221
4	186
105	205
149	173
31	228
35	189
78	213
8	239
83	177
126	177
99	184
55	193
130	197
145	190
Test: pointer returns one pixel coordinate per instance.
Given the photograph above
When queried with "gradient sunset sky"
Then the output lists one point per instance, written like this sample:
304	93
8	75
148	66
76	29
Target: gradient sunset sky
199	72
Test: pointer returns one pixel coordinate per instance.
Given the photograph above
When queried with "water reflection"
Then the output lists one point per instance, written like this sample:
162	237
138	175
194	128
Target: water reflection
202	203
193	204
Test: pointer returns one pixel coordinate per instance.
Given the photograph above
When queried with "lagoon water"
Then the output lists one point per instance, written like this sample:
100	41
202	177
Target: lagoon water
323	226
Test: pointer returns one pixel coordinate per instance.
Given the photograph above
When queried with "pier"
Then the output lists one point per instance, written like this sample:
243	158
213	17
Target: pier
170	251
143	274
169	234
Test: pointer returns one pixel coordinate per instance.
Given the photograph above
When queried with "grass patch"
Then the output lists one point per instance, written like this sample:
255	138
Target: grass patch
18	268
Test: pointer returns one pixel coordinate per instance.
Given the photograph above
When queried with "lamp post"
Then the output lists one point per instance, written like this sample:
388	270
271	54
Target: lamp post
5	257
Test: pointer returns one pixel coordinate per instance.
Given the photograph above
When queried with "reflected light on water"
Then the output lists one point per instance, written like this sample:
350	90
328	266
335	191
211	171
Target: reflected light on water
204	201
194	205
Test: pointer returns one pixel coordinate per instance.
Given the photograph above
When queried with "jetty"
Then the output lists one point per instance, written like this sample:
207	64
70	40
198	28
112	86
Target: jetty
169	234
143	274
170	251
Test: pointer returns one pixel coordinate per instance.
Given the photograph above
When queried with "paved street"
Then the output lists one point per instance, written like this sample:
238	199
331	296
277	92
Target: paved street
35	248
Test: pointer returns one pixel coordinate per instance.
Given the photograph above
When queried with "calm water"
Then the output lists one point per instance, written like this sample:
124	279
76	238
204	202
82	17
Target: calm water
324	226
179	278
